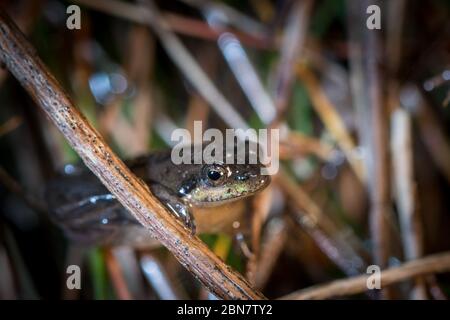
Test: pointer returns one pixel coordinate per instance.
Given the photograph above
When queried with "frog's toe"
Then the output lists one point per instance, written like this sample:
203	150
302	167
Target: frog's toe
188	220
190	224
183	213
177	207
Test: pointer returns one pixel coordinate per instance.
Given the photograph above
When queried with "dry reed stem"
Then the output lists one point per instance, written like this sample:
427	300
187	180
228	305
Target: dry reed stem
116	274
10	125
436	263
405	191
331	119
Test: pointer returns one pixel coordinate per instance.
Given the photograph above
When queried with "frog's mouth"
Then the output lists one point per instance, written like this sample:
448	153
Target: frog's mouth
211	197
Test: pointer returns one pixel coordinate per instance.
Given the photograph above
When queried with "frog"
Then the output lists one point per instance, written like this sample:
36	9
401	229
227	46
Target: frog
89	214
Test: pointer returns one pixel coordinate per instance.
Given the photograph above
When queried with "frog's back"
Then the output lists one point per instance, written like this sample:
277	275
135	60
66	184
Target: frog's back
87	212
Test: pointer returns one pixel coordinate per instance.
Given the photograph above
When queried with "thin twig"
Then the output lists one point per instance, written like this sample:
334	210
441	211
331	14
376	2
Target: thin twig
128	261
321	228
133	135
379	189
436	263
8	289
402	146
198	110
10	125
233	17
247	77
365	54
199	29
291	47
405	191
274	241
435	290
161	282
116	275
331	119
395	26
132	193
298	144
13	186
179	24
430	129
261	207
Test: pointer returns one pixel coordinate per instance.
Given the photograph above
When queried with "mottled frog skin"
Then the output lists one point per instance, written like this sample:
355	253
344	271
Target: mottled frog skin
90	214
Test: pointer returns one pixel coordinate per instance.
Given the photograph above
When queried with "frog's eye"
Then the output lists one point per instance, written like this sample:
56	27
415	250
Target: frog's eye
214	173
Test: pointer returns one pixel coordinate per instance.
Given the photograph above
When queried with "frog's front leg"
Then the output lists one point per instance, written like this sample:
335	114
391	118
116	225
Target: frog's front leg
175	205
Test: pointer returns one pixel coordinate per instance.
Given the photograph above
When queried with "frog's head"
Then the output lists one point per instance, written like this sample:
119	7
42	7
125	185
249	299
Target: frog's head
219	183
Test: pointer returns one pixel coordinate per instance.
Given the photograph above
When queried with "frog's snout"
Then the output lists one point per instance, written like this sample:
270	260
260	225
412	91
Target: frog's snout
264	181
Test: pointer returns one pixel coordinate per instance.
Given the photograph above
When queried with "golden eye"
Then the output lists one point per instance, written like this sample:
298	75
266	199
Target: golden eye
213	174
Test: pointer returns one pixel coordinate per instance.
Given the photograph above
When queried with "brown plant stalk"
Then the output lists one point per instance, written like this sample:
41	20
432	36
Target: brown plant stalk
436	263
